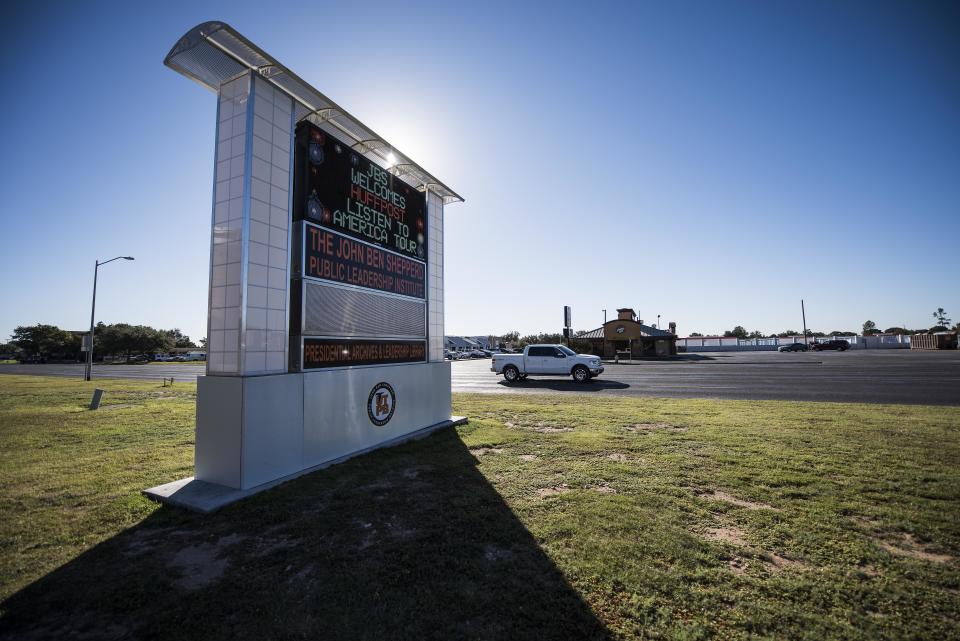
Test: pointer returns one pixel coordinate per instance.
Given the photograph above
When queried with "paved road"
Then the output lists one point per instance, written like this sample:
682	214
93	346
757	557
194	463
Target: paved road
880	376
155	371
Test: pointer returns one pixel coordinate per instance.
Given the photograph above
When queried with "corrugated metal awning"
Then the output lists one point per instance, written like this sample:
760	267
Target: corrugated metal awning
214	52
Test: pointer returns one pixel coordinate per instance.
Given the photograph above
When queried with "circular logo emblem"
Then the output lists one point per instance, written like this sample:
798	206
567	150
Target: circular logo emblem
381	404
620	329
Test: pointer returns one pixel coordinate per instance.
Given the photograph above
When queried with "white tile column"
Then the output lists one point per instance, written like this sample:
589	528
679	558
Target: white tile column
249	278
435	270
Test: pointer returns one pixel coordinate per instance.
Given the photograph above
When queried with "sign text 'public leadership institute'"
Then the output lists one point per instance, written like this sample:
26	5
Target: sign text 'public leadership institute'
334	257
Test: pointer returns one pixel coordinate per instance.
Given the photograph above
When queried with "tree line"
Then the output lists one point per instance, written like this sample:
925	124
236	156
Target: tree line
942	324
119	339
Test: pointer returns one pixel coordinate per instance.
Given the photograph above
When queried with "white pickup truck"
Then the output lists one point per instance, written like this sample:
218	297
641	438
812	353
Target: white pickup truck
546	360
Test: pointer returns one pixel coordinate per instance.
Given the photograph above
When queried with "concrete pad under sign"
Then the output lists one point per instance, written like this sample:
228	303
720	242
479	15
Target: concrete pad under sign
205	497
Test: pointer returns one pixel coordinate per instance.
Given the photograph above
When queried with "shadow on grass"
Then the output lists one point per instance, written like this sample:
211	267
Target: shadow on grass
408	543
563	385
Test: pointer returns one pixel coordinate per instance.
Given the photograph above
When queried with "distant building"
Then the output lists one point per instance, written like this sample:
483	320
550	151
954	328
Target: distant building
629	338
469	343
460	344
484	342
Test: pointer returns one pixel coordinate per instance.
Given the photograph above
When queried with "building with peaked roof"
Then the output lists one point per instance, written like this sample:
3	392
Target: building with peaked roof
629	338
459	344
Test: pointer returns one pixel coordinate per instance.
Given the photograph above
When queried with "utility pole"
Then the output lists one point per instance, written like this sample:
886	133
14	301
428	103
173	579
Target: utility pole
604	317
804	312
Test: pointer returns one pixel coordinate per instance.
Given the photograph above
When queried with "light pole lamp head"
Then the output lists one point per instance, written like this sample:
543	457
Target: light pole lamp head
129	258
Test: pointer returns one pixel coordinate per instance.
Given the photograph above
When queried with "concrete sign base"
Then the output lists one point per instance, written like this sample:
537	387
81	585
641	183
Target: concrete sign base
206	497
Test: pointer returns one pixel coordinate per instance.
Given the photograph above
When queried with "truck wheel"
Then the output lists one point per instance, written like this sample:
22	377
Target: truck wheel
581	374
511	373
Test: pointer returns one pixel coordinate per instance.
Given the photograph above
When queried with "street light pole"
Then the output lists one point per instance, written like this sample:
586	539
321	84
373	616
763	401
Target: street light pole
803	311
93	308
604	317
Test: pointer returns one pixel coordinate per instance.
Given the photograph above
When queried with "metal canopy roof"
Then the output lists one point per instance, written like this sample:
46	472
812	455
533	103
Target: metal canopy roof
214	52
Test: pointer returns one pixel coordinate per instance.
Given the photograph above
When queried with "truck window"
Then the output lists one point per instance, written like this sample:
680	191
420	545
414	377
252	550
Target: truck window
540	351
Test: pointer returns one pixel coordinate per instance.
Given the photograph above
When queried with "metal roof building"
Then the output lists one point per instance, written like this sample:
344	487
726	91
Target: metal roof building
626	337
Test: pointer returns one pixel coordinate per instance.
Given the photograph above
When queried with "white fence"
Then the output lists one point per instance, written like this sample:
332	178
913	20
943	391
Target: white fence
718	344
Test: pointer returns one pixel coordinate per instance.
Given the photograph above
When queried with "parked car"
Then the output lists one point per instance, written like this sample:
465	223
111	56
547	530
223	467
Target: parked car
477	353
546	360
193	356
838	344
793	347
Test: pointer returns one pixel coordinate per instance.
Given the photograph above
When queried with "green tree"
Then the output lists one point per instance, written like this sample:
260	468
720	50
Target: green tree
178	338
541	338
941	317
693	334
756	334
9	350
510	338
124	339
43	340
869	327
788	332
738	332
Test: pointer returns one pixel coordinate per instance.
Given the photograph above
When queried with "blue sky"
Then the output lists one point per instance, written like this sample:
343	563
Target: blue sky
710	162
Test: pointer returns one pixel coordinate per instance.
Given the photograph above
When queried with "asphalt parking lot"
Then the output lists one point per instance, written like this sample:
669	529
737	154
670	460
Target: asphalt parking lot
855	376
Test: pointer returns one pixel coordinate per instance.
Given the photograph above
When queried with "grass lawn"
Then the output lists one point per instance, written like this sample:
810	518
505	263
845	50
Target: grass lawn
546	517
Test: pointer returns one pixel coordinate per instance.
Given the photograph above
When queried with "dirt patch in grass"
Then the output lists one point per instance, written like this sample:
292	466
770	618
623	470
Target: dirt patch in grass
772	561
540	427
544	492
652	427
495	553
738	565
603	488
906	545
717	495
267	545
776	562
480	451
618	457
202	565
528	457
731	535
866	522
901	544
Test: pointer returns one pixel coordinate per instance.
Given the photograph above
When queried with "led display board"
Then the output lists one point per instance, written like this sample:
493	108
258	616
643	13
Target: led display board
360	270
341	189
341	352
328	255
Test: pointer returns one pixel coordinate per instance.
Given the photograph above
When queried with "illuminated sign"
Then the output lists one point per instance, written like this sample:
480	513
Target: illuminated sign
341	352
330	256
341	189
